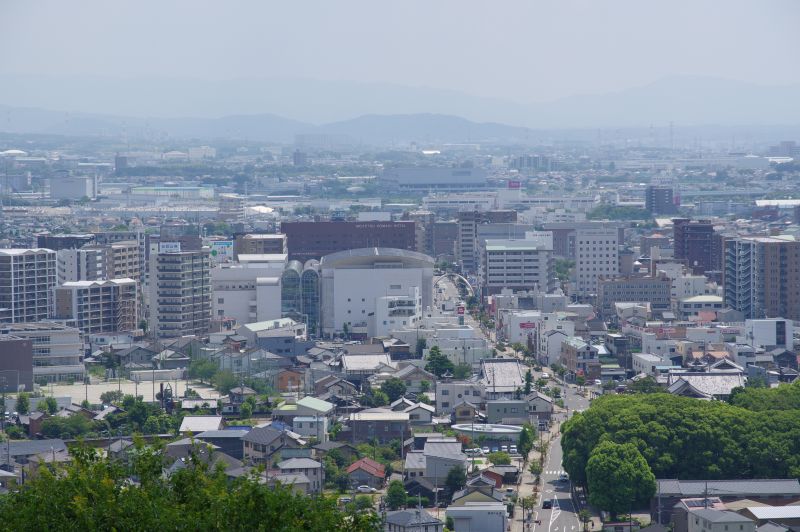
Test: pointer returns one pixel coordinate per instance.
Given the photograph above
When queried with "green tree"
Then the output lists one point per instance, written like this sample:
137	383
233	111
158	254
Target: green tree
424	386
580	380
455	480
111	396
23	403
94	493
619	478
528	382
394	388
645	385
48	405
462	371
420	347
535	469
585	516
517	347
563	268
224	380
364	502
246	410
66	427
438	363
203	369
525	441
396	495
499	458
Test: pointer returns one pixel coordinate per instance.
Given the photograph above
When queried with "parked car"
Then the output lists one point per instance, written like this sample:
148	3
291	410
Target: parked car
475	451
504	448
495	449
598	382
485	450
366	489
345	500
547	504
545	375
513	449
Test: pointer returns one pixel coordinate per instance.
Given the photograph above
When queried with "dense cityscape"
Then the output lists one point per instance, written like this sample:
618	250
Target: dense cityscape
400	322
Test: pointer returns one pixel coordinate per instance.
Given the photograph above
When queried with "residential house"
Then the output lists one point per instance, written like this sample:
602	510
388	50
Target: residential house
420	414
486	517
228	441
331	384
710	520
464	412
580	358
367	472
767	491
198	424
413	377
412	520
381	424
290	380
347	451
311	427
261	444
451	393
501	378
306	407
312	469
299	482
440	457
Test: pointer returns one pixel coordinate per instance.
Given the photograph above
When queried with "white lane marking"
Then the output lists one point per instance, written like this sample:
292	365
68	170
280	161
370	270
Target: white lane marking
554	514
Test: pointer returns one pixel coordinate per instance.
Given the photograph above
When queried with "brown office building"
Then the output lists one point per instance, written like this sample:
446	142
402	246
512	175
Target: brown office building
659	200
259	244
313	240
694	244
16	363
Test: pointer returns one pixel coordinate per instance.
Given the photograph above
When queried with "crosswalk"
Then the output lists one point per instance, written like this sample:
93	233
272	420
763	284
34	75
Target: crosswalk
553	472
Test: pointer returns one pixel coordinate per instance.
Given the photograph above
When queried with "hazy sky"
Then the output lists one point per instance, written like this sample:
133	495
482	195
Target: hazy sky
522	50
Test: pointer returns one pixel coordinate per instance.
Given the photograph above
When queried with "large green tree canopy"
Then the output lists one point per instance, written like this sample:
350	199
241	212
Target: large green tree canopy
619	478
687	438
96	494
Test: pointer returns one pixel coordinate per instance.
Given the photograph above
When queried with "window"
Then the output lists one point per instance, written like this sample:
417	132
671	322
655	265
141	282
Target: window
445	392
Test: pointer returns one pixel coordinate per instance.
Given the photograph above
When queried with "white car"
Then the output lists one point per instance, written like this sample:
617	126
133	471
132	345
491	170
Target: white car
476	451
545	375
366	489
512	449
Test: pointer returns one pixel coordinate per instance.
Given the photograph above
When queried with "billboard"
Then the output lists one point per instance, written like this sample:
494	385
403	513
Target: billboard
527	325
514	184
222	250
460	310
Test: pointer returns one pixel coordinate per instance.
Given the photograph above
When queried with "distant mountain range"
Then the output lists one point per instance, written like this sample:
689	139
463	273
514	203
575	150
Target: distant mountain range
367	130
277	110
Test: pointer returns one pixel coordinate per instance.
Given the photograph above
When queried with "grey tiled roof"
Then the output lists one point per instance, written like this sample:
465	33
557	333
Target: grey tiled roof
728	488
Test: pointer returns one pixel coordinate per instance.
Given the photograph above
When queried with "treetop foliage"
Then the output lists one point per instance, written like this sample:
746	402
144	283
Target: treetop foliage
96	494
686	438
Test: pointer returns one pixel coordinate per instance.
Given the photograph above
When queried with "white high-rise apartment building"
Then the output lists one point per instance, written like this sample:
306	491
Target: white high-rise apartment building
27	278
596	255
180	293
98	306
